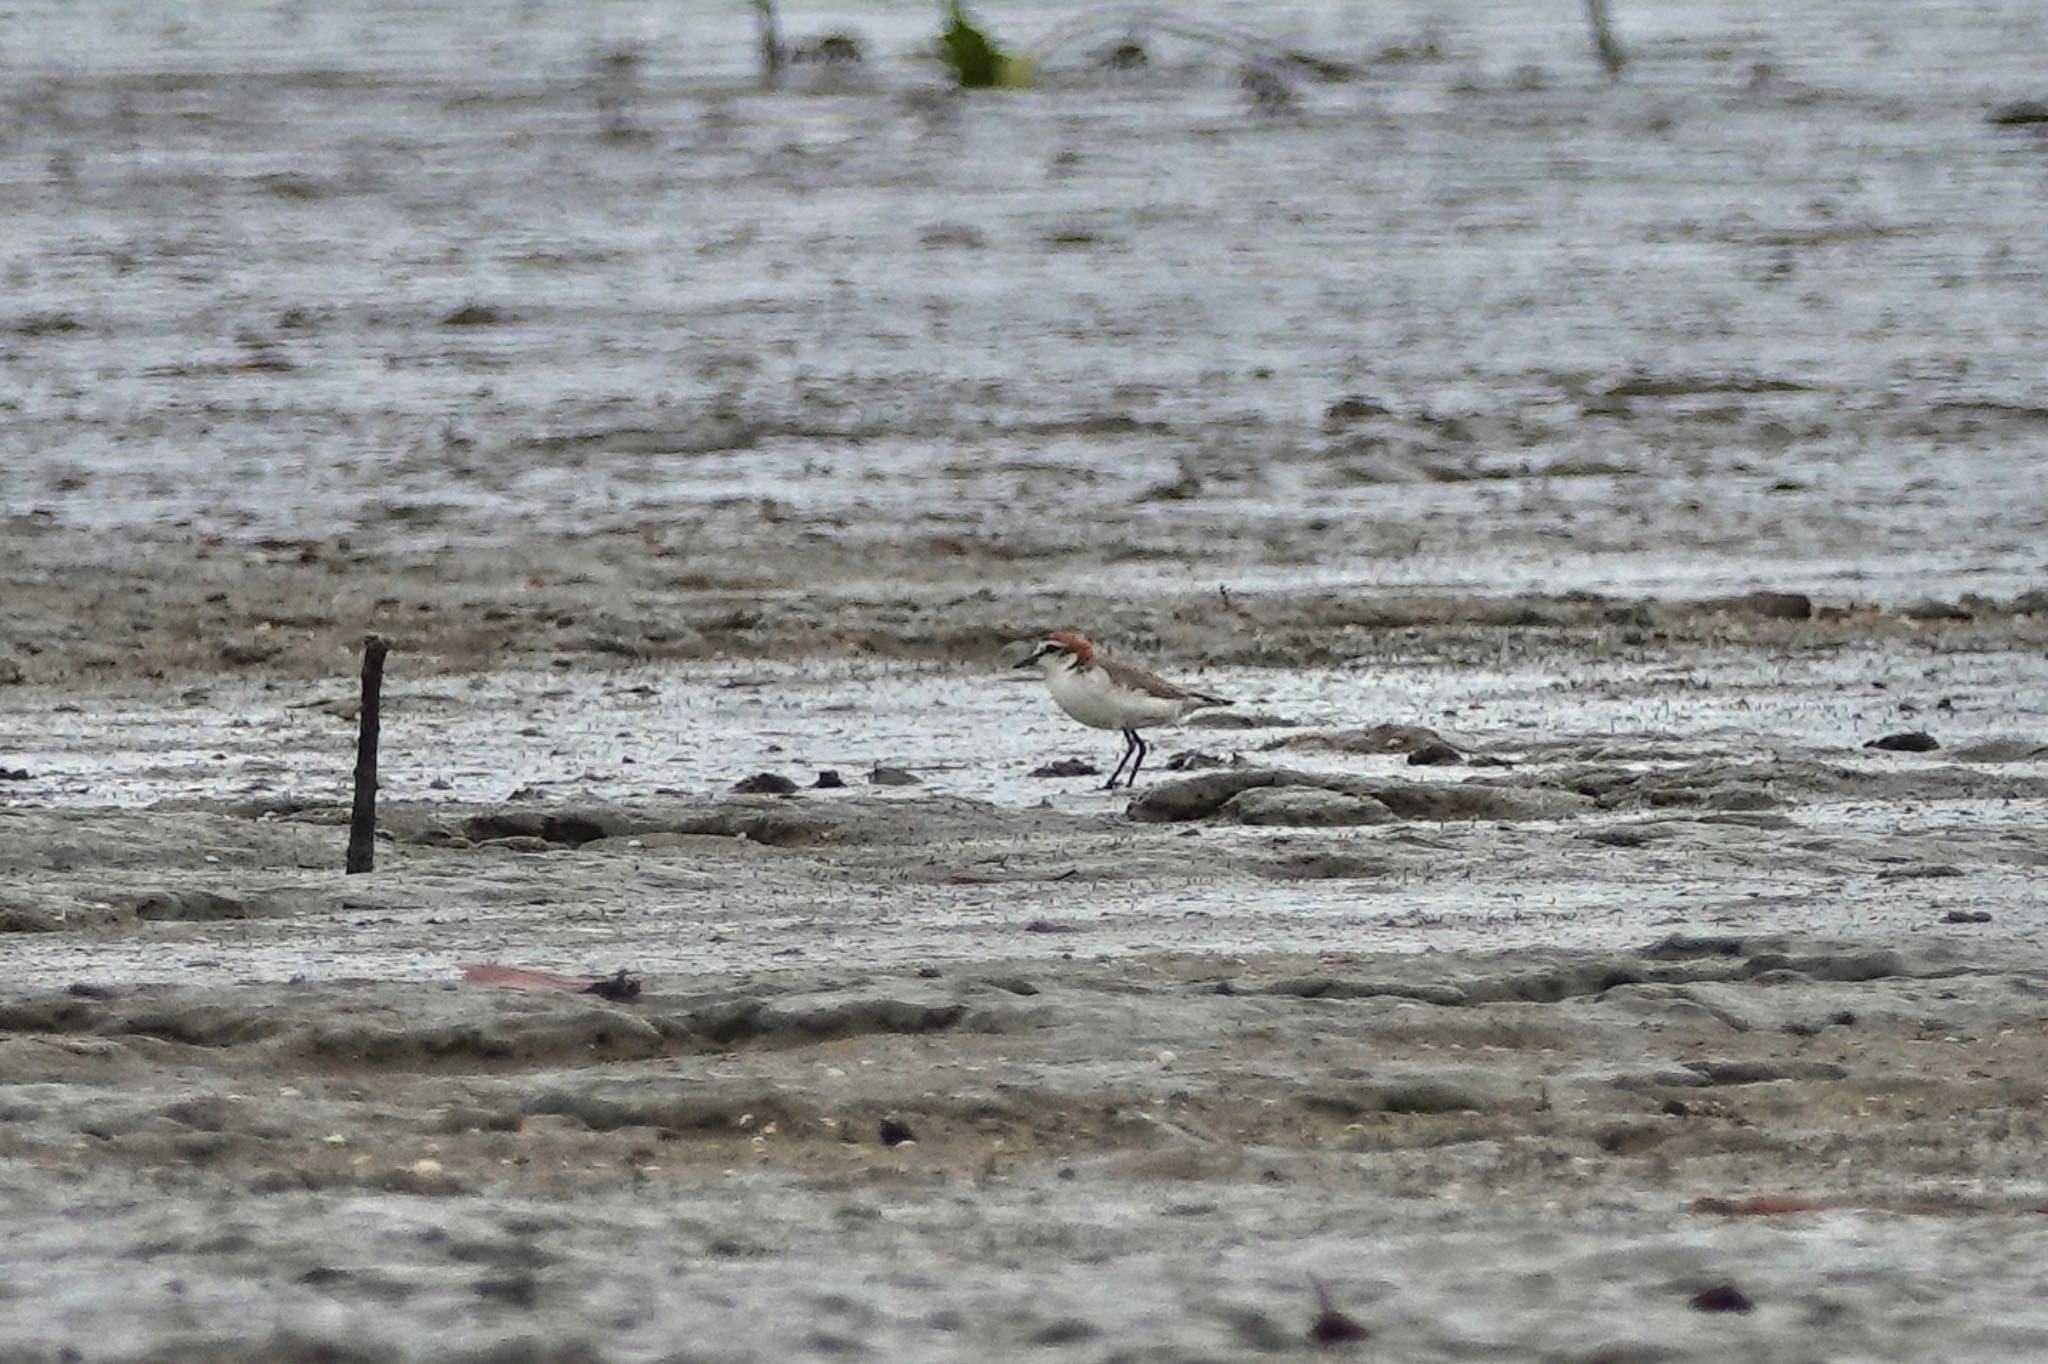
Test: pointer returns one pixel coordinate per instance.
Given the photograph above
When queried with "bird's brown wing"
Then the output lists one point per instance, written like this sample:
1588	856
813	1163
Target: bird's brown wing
1152	684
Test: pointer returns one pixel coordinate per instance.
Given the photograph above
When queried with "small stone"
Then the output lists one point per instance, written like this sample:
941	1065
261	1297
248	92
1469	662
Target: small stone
1722	1297
1913	741
892	776
1066	1331
828	780
764	784
1967	916
474	315
1437	754
1067	767
1355	408
617	987
894	1131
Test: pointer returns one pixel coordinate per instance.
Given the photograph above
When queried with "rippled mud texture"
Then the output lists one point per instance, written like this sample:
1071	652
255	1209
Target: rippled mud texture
1571	479
1539	1057
1068	1153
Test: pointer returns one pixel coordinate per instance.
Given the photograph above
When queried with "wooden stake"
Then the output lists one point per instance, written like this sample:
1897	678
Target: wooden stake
362	824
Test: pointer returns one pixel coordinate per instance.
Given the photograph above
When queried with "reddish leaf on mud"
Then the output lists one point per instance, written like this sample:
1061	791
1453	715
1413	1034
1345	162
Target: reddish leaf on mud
1758	1205
519	978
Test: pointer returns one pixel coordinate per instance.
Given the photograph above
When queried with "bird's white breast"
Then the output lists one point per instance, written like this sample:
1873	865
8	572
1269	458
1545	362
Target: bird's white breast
1091	696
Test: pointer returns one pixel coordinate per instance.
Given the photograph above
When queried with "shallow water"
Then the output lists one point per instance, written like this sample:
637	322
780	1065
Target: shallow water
1769	311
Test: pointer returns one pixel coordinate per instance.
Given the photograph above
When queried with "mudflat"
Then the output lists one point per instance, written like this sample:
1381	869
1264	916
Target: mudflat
1607	928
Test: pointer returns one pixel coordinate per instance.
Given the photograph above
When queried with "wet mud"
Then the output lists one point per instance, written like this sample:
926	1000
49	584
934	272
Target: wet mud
1607	927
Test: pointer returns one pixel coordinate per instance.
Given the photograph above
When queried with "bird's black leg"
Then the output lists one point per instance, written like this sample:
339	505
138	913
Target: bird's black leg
1141	748
1130	747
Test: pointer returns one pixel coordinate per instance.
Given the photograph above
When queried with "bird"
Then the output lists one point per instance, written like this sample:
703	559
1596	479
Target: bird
1105	694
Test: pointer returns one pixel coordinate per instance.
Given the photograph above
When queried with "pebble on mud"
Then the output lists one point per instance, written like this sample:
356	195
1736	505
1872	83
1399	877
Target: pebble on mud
1967	916
1438	754
894	1131
893	776
829	780
764	784
1722	1297
617	987
1913	741
475	315
1067	767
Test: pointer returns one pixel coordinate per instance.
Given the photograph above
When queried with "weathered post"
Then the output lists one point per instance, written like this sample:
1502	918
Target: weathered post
362	824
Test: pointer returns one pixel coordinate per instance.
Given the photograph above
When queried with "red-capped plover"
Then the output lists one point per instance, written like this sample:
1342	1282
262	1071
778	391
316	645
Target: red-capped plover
1105	694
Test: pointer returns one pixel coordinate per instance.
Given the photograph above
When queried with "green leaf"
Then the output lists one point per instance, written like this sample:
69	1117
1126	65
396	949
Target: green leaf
975	61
